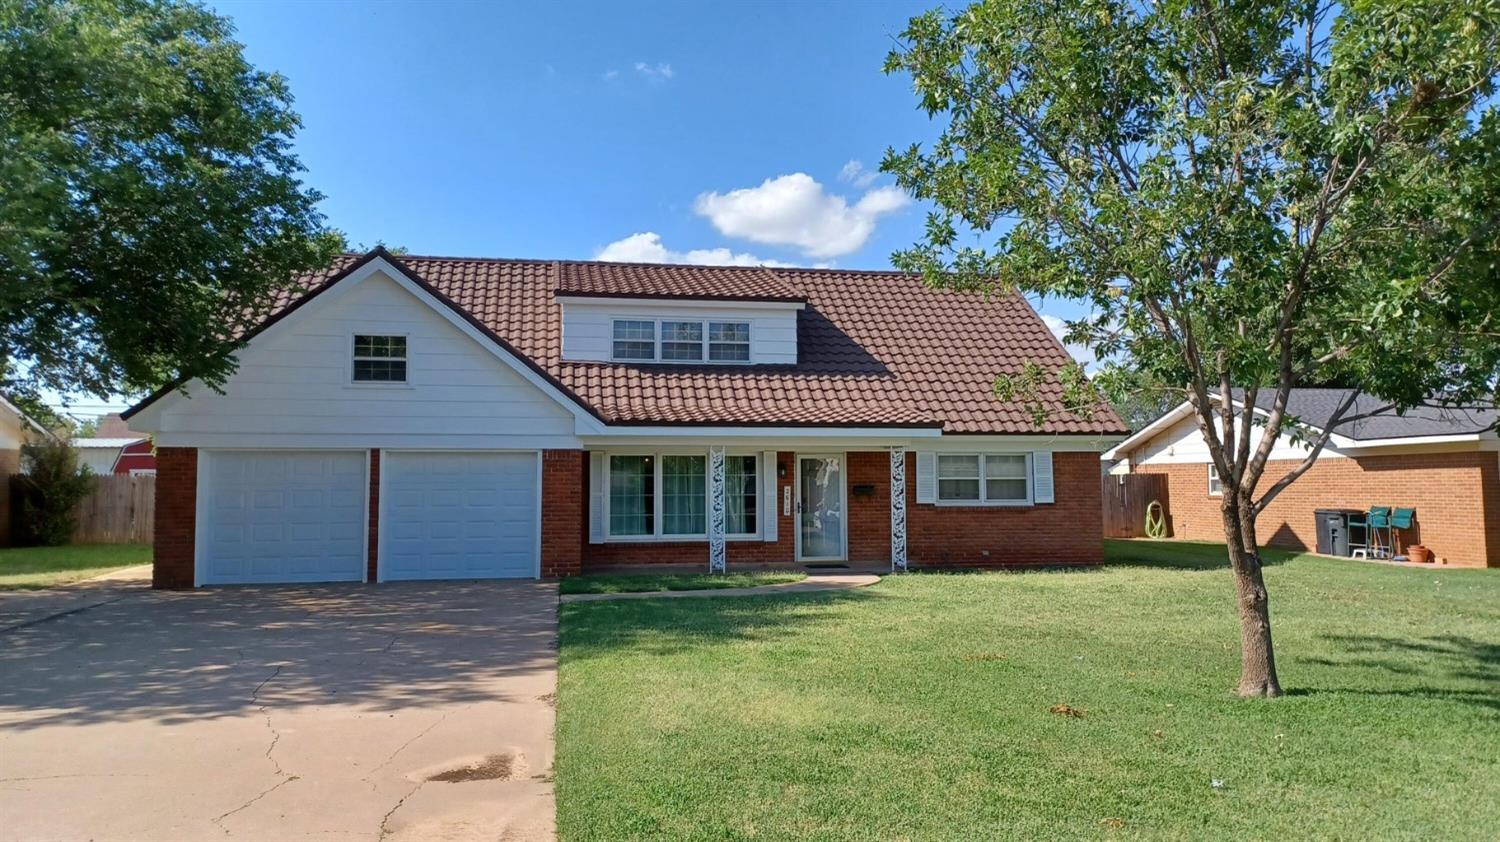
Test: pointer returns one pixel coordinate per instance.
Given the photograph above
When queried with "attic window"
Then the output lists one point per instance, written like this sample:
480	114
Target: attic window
680	341
379	359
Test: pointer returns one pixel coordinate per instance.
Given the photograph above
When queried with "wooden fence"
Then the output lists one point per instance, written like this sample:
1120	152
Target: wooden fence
1126	497
121	510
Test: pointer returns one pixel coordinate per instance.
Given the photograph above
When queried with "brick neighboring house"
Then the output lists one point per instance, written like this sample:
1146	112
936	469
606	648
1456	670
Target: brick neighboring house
444	418
1445	463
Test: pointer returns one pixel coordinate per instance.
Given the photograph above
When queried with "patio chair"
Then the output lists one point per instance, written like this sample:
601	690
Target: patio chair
1379	519
1400	519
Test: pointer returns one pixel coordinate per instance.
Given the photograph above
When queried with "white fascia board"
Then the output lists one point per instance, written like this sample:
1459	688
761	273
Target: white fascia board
584	421
1358	445
1149	431
704	303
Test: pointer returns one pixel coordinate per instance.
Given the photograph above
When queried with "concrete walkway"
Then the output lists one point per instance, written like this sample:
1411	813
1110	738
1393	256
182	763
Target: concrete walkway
811	584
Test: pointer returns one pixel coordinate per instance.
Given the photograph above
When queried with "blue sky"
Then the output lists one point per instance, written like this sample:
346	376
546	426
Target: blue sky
703	132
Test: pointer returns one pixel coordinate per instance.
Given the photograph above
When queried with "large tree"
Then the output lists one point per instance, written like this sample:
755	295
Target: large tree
1248	195
150	203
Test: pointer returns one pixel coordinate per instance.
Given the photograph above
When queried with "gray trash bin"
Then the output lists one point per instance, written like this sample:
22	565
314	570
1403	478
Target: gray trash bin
1333	530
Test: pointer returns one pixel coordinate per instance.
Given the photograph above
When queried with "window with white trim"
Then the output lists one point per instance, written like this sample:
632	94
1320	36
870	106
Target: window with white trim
1215	488
379	359
634	340
680	341
665	495
984	478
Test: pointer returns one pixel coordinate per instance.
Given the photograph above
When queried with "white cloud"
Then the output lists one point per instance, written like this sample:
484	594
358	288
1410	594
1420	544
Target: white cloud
610	75
656	72
647	247
793	210
855	173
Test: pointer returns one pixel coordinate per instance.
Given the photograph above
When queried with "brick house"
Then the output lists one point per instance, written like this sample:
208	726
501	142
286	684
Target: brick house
1445	463
442	418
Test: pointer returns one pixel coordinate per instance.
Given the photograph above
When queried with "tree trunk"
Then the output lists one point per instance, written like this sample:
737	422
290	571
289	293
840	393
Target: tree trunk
1257	660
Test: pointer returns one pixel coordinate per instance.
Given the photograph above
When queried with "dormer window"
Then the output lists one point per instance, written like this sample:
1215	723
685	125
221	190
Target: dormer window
680	341
379	359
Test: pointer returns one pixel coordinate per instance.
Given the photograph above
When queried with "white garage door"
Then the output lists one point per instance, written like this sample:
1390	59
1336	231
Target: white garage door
470	515
283	516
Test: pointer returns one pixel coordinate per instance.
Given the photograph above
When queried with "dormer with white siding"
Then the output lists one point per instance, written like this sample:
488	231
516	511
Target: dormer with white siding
676	315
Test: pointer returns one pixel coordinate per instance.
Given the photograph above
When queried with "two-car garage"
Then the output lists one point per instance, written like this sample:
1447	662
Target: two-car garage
297	516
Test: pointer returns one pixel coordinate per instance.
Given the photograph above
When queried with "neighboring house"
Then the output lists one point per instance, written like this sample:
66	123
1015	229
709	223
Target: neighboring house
16	428
135	459
1445	463
441	418
101	455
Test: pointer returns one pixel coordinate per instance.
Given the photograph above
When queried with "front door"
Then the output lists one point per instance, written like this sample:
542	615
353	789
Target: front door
820	508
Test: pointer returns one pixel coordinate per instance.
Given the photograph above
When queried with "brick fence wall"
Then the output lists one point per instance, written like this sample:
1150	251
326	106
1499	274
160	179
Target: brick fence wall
1456	495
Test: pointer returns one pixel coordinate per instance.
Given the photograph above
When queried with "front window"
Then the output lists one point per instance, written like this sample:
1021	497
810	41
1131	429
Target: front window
740	495
684	495
632	495
996	478
1215	488
379	359
665	495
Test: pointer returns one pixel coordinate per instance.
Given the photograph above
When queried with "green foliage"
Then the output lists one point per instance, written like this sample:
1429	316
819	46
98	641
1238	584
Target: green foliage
150	203
1255	195
51	488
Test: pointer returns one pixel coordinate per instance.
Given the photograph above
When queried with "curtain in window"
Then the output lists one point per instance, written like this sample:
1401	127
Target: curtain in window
684	498
632	495
740	494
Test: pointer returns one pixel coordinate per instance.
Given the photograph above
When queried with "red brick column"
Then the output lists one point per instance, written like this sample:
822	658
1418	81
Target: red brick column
562	512
372	562
176	517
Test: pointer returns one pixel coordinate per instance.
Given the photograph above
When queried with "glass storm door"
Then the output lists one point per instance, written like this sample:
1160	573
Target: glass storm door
820	507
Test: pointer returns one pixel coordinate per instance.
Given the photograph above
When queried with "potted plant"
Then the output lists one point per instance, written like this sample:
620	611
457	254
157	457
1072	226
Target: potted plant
1419	554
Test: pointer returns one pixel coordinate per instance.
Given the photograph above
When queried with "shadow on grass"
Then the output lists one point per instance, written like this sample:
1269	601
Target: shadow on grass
1180	555
672	626
1450	657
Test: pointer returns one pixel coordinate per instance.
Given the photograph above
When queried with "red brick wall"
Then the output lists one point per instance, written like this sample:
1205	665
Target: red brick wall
780	551
372	565
1457	508
1066	532
176	517
564	527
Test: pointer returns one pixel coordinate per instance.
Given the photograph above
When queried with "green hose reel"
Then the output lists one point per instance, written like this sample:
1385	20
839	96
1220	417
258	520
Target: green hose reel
1156	520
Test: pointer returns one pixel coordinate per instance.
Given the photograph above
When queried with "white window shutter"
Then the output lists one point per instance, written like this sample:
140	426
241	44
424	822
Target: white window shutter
1041	477
770	507
926	476
596	497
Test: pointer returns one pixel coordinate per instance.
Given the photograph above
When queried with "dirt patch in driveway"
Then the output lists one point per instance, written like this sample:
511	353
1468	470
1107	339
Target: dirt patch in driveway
496	767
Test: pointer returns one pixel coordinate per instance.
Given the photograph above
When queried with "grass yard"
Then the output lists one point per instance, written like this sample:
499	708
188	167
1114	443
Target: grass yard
920	708
23	568
644	582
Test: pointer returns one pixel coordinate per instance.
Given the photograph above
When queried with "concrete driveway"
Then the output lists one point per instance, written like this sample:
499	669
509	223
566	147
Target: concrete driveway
397	712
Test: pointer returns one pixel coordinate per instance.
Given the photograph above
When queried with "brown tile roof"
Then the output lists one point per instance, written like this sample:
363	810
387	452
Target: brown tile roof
874	348
656	280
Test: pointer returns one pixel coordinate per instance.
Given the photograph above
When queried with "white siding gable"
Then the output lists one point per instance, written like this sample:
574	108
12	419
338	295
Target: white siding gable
588	324
294	385
1183	443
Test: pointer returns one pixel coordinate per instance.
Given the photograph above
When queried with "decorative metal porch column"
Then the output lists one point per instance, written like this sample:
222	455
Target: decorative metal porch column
898	510
716	509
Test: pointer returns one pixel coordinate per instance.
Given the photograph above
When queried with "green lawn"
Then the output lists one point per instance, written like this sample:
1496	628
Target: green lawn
638	583
24	568
919	708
